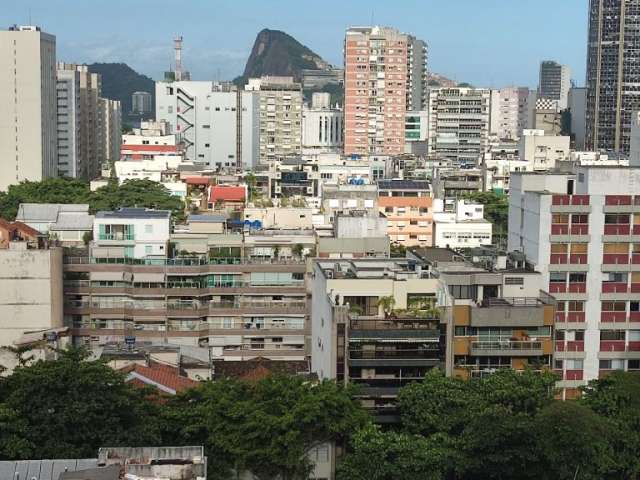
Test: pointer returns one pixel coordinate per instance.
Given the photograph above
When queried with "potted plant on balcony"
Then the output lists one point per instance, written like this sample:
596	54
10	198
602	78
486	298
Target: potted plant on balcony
386	303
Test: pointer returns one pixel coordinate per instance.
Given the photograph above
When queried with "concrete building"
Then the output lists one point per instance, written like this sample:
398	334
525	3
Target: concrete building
541	151
581	231
613	71
217	125
416	130
509	109
322	125
458	224
555	82
385	75
110	115
141	103
578	111
132	233
28	138
407	204
459	123
280	117
30	290
67	223
451	182
359	337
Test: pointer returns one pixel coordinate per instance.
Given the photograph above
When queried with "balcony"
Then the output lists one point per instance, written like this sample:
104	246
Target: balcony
560	229
570	346
580	229
614	287
617	229
612	346
577	287
389	357
609	317
576	317
373	328
578	259
570	203
510	312
573	375
557	287
507	347
116	236
615	258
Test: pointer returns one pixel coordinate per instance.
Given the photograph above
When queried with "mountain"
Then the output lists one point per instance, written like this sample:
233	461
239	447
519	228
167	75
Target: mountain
277	53
119	81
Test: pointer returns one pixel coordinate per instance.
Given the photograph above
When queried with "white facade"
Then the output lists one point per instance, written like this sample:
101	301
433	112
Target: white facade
459	123
460	225
322	128
219	127
139	232
416	131
28	138
509	108
580	228
541	151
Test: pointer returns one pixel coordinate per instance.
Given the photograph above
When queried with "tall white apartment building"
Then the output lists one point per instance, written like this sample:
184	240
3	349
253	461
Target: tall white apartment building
280	116
110	113
582	232
459	122
28	105
509	108
322	125
217	125
540	151
555	82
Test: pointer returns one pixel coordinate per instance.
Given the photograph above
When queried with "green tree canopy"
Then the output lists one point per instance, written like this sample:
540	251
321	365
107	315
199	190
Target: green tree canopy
68	408
131	193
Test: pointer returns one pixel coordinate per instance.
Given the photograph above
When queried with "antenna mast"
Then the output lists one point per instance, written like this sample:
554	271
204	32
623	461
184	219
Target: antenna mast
177	47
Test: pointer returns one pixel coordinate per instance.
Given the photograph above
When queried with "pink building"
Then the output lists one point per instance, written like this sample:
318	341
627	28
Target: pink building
377	75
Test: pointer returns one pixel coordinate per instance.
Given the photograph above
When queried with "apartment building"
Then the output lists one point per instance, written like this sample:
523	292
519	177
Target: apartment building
613	71
509	112
322	125
280	117
376	323
218	125
581	232
407	204
28	139
500	318
132	233
239	309
542	151
458	224
385	75
110	114
141	103
416	127
555	82
449	182
459	124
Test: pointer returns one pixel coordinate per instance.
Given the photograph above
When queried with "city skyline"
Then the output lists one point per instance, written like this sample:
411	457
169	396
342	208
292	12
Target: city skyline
501	45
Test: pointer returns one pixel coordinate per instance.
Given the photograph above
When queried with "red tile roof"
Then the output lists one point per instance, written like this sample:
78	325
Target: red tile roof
227	193
164	377
197	180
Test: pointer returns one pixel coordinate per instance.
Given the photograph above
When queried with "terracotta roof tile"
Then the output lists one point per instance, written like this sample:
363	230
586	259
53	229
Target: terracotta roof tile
158	374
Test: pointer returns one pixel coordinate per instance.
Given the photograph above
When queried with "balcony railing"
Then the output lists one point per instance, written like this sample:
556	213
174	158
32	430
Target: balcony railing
615	258
617	229
180	262
395	354
507	345
614	287
116	236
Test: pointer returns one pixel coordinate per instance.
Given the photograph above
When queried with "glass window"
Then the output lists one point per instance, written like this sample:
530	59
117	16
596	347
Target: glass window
579	248
557	276
148	228
577	277
148	249
559	248
612	335
560	218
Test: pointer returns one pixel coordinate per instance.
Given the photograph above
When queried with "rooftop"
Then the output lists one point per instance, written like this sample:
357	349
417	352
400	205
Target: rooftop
401	184
207	218
48	212
165	378
135	213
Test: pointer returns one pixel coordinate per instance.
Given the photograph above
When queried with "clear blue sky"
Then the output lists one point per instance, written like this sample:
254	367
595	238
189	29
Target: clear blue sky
489	43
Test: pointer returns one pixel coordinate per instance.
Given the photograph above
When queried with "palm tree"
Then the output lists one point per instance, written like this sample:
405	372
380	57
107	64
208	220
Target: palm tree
387	303
298	250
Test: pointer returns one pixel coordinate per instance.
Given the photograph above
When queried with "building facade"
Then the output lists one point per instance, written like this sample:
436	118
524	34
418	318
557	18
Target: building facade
28	138
322	125
459	123
385	75
613	71
280	117
217	125
555	82
582	232
509	109
141	102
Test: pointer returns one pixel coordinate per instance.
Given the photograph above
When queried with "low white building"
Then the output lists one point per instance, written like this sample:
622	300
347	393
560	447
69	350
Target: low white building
67	223
460	225
131	233
542	151
322	125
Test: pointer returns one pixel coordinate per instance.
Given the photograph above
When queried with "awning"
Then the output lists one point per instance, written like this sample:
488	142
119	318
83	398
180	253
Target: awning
148	277
107	276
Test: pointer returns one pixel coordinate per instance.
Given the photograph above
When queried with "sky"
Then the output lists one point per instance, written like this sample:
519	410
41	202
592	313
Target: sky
488	43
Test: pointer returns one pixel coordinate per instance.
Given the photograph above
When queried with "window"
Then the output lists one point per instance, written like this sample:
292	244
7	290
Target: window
560	218
577	277
148	249
148	228
514	281
612	335
559	248
555	277
206	126
579	218
558	364
633	365
576	306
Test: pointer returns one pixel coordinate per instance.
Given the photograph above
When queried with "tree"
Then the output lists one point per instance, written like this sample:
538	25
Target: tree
13	435
298	250
70	407
496	210
378	455
251	181
574	442
276	252
387	303
268	427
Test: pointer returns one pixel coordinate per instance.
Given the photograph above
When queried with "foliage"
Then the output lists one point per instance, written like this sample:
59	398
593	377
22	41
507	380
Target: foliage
397	250
70	407
298	250
267	427
131	193
496	210
387	303
378	455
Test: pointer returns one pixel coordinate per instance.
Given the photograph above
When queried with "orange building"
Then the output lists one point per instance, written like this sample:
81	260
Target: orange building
408	206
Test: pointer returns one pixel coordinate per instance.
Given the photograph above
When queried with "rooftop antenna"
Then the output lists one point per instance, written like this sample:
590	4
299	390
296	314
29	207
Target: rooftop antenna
177	47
